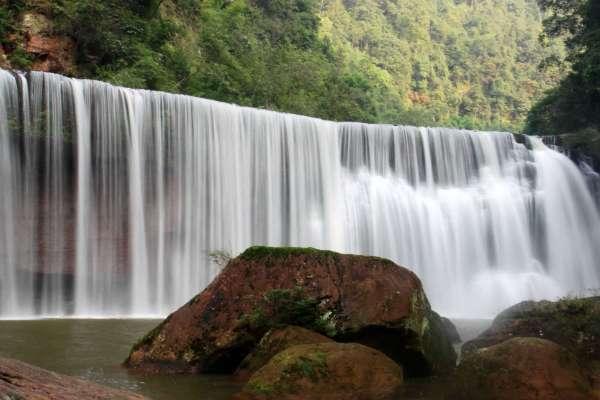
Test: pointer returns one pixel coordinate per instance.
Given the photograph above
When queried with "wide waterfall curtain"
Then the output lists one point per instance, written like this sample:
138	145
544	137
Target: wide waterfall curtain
112	199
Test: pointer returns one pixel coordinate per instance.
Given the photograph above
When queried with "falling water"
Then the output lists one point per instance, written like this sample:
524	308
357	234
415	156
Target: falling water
112	199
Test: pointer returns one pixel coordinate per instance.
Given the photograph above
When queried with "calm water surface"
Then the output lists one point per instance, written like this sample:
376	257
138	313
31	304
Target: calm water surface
94	350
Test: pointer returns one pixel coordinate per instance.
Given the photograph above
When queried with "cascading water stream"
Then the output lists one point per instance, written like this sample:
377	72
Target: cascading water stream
111	200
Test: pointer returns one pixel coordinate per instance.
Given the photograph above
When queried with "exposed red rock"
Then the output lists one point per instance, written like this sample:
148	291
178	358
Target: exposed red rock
572	323
332	371
3	60
22	381
275	341
51	53
48	51
521	369
373	301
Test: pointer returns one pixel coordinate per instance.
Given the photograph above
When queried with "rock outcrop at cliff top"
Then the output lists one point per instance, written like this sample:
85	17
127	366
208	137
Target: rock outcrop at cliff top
22	381
36	37
521	369
372	301
332	371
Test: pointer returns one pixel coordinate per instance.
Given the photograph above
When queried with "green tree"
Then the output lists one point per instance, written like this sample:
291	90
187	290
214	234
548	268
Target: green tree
574	105
444	62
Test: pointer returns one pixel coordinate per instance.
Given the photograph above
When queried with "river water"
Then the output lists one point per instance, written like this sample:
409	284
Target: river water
94	349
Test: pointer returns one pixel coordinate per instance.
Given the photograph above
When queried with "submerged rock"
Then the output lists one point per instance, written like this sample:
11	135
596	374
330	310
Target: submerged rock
368	300
521	369
572	323
333	371
275	341
22	381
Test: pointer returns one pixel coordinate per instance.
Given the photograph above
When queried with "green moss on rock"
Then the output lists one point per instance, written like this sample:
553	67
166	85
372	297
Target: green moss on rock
333	371
262	252
574	323
274	342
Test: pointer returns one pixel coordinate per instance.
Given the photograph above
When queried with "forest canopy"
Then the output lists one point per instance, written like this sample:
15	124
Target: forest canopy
574	105
464	63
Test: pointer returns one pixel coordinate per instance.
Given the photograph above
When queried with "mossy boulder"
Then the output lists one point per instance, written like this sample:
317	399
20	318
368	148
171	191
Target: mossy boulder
572	323
359	299
521	369
326	371
275	341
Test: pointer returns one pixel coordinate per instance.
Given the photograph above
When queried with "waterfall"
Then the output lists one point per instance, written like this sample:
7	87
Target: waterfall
112	201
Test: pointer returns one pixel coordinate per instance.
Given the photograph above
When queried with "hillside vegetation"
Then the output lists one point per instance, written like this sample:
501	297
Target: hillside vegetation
574	105
572	108
467	63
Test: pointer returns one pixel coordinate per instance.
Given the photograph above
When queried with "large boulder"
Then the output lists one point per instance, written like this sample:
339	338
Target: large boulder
451	330
325	371
22	381
275	341
572	323
369	300
521	369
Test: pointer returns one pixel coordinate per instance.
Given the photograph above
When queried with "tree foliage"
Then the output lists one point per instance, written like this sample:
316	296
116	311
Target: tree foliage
470	64
574	105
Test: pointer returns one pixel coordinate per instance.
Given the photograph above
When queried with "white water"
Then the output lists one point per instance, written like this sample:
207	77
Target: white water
111	200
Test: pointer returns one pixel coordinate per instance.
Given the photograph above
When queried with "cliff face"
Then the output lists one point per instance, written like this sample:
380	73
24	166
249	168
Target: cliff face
33	42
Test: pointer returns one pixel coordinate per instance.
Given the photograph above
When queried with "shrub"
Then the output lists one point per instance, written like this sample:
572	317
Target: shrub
280	307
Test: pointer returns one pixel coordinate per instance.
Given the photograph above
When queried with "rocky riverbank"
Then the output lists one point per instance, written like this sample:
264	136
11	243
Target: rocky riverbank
23	381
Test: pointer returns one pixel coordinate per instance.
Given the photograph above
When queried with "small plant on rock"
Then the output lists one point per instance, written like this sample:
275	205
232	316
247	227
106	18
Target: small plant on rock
280	307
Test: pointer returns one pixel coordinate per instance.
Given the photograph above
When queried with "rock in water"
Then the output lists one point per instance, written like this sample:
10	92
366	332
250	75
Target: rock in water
572	323
275	341
332	371
371	300
521	369
22	381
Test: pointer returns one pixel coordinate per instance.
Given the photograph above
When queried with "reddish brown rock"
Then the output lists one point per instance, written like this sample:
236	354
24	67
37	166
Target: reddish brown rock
594	372
52	53
332	371
22	381
3	60
372	301
521	369
275	341
47	51
572	323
